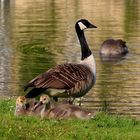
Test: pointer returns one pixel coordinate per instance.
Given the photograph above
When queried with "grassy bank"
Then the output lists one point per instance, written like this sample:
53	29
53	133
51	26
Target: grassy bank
102	127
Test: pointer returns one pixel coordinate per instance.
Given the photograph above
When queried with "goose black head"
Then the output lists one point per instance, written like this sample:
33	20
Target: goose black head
84	24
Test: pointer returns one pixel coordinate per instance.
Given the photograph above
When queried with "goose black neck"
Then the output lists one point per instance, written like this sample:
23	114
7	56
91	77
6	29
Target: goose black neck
84	46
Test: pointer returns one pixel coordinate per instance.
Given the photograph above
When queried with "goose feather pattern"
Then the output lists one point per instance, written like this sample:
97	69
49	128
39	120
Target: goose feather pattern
73	78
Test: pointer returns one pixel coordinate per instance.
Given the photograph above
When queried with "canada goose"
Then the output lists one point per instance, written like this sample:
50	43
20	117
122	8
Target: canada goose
70	79
111	48
24	107
61	110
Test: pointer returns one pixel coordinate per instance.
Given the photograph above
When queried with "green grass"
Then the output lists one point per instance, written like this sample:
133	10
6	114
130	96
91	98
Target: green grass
102	127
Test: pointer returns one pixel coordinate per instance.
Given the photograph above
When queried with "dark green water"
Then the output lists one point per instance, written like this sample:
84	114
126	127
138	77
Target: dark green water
37	35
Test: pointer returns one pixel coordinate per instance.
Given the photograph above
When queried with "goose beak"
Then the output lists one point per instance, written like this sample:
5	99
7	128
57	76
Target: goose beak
37	105
92	26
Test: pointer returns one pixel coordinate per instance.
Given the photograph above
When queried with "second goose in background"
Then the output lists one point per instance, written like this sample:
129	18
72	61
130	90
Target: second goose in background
70	79
111	48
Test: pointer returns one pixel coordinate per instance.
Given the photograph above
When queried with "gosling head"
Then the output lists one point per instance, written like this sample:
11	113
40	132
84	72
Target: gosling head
83	24
21	102
44	99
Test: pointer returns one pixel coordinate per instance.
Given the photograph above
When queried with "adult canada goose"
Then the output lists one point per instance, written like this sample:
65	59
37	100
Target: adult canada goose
70	79
111	48
61	110
24	107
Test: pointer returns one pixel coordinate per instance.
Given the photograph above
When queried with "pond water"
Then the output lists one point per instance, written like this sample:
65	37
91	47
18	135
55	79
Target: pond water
37	35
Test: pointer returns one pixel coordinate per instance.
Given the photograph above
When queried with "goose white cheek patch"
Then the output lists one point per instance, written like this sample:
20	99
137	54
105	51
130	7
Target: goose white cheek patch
82	26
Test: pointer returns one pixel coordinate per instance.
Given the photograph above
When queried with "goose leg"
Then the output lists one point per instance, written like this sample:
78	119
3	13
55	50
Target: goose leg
71	100
55	99
80	101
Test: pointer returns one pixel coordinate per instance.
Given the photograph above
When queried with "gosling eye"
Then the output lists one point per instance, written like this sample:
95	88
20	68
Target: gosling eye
44	99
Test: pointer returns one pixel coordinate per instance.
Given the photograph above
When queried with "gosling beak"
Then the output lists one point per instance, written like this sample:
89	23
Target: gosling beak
37	105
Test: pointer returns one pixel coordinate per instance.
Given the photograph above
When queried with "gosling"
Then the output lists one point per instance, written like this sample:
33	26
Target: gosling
24	107
61	110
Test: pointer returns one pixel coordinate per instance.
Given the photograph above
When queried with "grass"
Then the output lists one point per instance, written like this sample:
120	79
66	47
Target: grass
102	127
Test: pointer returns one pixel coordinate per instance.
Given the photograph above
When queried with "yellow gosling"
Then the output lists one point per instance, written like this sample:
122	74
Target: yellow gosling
24	107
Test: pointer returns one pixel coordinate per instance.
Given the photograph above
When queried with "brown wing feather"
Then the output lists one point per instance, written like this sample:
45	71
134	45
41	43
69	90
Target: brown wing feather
63	76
